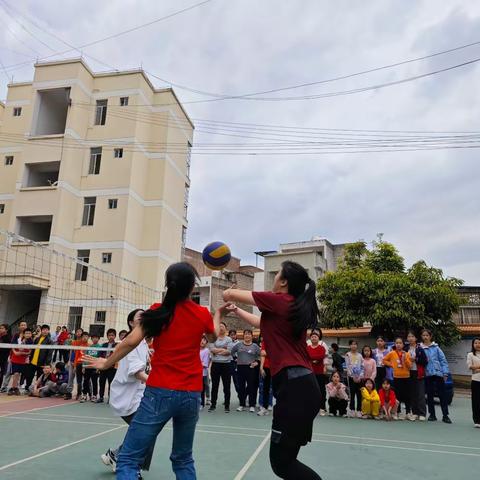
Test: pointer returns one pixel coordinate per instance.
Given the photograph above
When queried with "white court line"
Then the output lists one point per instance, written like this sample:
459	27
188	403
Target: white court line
252	459
396	447
57	420
61	447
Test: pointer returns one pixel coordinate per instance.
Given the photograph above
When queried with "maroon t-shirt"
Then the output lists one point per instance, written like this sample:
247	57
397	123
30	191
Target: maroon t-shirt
283	349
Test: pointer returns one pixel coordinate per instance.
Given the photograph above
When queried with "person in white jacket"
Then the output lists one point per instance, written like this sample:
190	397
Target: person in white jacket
127	389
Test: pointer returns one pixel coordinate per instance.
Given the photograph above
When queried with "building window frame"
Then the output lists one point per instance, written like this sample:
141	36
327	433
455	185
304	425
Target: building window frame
101	112
124	101
95	161
118	153
9	160
75	314
88	217
17	111
2	208
107	257
101	317
112	203
81	272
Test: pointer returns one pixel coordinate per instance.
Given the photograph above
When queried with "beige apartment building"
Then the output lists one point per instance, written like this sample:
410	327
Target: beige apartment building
93	166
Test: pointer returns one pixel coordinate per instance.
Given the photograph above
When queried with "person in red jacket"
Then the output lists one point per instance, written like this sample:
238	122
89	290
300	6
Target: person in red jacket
388	401
317	354
62	337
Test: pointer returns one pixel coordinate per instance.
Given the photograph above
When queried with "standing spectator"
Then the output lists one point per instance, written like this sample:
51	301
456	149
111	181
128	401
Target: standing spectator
221	367
122	334
401	362
436	374
337	360
108	374
71	362
77	362
232	333
54	337
417	378
378	354
473	364
317	354
266	380
39	358
19	359
355	372
61	339
248	357
206	359
90	378
369	363
17	338
388	401
4	352
370	400
337	396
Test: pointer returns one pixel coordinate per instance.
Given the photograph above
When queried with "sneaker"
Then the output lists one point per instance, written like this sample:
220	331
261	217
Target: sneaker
227	409
83	399
351	414
322	412
270	408
110	460
240	409
99	400
252	409
477	425
262	412
446	419
345	416
421	418
208	402
359	414
411	417
331	415
3	390
378	417
93	399
212	408
432	418
395	417
365	417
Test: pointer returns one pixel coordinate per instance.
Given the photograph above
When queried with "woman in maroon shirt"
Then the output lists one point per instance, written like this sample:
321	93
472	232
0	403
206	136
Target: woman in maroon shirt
287	312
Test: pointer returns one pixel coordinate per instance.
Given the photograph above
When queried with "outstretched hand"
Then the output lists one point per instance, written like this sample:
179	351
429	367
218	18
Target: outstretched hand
227	308
98	363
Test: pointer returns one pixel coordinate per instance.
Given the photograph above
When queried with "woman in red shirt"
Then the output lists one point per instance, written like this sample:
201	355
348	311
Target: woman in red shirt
175	381
287	312
317	354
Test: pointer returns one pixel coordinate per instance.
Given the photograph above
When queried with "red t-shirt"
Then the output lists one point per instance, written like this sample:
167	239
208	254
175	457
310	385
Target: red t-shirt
266	363
317	355
20	359
284	350
389	398
176	363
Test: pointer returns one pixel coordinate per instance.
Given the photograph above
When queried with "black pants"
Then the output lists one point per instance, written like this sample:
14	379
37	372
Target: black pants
381	374
402	391
267	382
234	373
475	386
104	376
322	381
337	405
355	393
417	394
30	371
439	382
91	376
79	377
3	369
247	385
223	371
64	355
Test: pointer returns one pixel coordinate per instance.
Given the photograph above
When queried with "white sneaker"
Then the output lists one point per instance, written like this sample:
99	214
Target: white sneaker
331	415
270	408
83	398
395	417
240	409
351	414
421	418
323	413
477	425
359	415
252	409
109	460
262	412
412	417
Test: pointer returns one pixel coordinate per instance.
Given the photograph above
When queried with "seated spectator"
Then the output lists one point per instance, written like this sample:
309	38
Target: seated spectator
370	400
60	387
337	396
42	387
388	401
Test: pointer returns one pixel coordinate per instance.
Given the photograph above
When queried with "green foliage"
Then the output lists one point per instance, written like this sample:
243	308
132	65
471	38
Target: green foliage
372	286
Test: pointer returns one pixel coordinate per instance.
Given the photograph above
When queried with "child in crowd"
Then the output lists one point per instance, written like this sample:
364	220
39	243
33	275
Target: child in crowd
355	373
107	375
41	388
369	363
61	385
19	358
122	334
317	353
337	396
401	363
388	401
337	360
90	379
83	342
206	358
370	400
378	354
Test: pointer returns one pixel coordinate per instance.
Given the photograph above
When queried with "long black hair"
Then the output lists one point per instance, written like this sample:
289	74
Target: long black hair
473	345
304	312
179	280
130	318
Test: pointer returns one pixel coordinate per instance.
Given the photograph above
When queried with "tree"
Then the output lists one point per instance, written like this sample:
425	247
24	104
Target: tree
373	287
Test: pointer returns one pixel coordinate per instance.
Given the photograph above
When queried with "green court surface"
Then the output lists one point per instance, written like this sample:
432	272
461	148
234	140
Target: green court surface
44	440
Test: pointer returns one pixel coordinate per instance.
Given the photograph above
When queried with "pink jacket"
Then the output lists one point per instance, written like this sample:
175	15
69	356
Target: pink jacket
340	392
370	368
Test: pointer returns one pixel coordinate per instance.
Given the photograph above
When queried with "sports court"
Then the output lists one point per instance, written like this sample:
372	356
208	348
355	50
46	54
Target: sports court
65	440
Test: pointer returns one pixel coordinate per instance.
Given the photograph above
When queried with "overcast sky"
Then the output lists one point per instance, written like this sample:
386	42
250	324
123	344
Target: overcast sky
426	203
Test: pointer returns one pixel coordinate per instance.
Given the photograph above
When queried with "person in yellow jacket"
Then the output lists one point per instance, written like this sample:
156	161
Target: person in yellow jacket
370	400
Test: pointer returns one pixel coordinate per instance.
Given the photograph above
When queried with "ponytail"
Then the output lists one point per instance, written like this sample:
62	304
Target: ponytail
304	312
179	280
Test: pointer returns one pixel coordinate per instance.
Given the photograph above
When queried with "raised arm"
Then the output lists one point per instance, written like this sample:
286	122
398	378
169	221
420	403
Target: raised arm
240	296
253	320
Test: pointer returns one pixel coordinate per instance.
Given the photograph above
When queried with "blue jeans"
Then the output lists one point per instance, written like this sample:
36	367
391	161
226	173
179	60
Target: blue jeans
157	407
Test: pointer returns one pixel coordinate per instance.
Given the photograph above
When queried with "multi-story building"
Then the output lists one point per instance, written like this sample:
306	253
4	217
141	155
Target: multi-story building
96	165
317	256
208	292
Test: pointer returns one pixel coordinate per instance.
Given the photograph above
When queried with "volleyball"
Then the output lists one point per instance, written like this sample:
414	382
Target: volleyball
216	255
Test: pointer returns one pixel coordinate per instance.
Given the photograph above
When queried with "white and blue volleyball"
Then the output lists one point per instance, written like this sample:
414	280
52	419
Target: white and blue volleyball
216	255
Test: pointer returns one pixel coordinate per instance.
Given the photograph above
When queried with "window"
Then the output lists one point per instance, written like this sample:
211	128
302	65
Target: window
81	271
189	158
97	330
2	208
185	200
88	210
123	101
118	152
106	257
101	112
100	316
17	111
112	203
184	236
95	160
74	318
9	160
